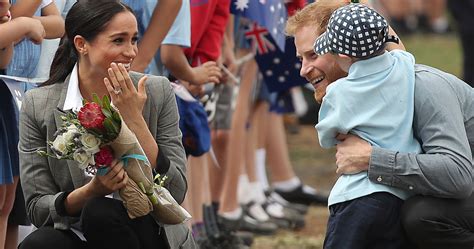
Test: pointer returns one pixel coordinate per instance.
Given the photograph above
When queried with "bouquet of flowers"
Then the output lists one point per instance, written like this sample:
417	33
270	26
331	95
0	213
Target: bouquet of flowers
96	135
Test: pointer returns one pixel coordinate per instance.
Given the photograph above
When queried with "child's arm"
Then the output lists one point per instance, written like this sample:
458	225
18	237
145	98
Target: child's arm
161	21
51	18
16	30
19	28
175	61
6	52
330	123
52	21
5	56
390	45
25	8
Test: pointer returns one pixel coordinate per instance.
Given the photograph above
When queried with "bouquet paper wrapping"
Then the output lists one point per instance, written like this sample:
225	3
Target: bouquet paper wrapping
142	195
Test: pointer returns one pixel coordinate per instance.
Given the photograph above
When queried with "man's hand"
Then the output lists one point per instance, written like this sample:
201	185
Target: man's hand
353	154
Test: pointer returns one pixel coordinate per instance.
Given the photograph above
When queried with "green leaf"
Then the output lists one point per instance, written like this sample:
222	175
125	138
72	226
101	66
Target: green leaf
116	117
107	113
111	127
42	153
96	99
106	103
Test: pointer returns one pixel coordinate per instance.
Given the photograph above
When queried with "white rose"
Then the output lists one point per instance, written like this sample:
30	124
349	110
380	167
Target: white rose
83	158
71	131
91	143
60	146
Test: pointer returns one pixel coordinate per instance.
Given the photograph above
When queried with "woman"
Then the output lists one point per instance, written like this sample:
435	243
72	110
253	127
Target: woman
100	44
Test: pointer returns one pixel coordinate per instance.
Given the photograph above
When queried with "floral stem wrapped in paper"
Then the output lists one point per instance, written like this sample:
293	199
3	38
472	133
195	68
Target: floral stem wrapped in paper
94	137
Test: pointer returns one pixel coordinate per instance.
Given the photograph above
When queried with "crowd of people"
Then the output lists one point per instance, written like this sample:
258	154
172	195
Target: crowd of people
186	83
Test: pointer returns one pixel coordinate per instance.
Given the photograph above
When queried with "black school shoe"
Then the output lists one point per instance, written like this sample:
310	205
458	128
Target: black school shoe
247	223
219	236
273	196
284	217
298	195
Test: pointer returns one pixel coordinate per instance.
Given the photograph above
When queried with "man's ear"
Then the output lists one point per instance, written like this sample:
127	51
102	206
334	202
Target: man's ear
81	44
345	57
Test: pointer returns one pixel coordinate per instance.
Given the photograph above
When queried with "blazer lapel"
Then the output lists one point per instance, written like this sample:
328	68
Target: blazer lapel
77	174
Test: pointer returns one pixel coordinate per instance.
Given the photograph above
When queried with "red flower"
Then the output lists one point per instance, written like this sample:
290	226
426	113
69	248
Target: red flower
91	117
104	157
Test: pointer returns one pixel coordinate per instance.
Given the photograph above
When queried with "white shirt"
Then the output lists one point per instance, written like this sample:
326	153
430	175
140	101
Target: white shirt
73	96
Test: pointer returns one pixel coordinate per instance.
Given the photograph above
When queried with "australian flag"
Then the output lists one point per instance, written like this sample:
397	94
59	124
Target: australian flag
270	14
280	70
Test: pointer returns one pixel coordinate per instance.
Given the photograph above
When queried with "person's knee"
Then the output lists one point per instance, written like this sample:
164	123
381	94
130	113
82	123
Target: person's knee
48	237
220	136
99	212
417	212
35	242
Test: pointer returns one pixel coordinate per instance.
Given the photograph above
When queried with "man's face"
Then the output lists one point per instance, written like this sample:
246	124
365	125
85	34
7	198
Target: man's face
320	71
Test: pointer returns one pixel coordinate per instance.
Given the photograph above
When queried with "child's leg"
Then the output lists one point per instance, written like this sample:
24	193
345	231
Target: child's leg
364	223
7	196
3	221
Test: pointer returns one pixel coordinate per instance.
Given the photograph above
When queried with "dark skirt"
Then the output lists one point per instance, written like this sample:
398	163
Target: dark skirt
9	161
9	165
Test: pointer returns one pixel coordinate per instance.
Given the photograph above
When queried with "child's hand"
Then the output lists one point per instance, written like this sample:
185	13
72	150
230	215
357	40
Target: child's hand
205	73
36	31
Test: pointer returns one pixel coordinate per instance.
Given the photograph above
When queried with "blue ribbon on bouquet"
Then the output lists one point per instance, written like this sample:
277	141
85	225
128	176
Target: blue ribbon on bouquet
103	171
125	158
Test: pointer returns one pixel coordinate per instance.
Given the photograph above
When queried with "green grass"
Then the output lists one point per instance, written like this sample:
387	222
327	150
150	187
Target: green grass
439	51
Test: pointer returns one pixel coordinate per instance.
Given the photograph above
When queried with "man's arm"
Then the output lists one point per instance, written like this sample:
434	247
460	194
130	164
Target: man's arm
444	169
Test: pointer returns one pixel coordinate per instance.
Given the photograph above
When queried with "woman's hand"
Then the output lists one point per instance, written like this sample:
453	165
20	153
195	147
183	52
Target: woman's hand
128	100
353	154
115	179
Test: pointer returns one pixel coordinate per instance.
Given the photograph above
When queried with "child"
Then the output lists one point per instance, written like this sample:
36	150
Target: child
10	32
365	214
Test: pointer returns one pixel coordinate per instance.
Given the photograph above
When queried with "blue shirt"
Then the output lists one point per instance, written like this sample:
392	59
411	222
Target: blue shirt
26	54
179	33
375	102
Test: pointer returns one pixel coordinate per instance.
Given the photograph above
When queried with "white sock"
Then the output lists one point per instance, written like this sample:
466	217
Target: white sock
255	190
261	171
233	215
440	25
309	190
243	193
287	185
301	107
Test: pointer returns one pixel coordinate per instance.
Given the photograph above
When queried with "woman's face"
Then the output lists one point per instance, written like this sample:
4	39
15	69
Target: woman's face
116	43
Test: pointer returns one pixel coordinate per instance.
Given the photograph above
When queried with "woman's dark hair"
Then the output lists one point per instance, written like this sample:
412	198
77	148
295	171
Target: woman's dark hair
86	18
